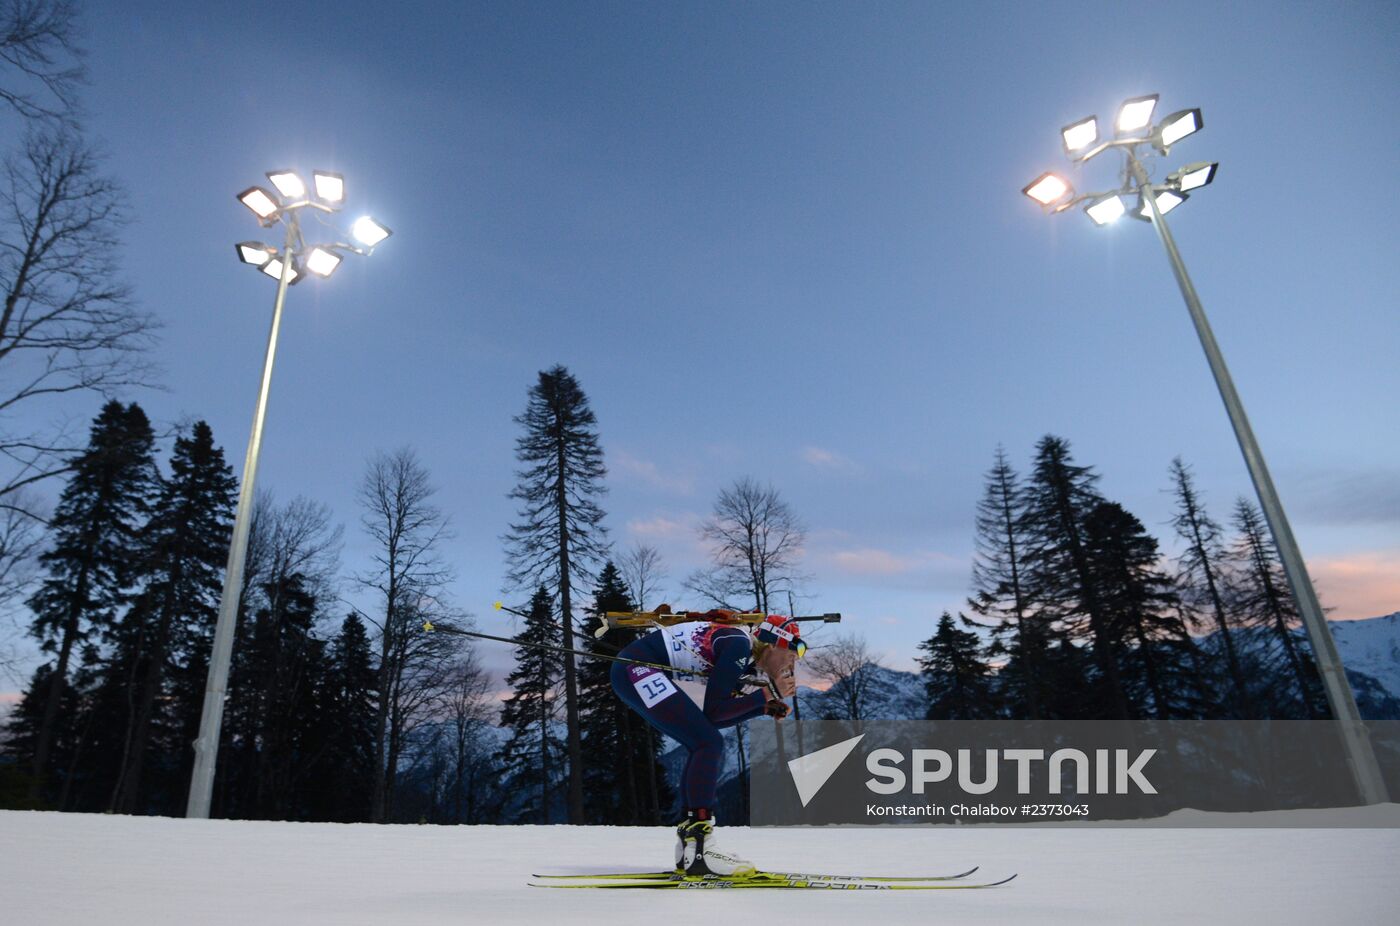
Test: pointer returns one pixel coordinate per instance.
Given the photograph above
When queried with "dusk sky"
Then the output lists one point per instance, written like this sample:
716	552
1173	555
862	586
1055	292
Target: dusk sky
784	241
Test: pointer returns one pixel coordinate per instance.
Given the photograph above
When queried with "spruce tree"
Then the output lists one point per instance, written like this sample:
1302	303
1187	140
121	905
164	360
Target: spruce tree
348	721
999	592
621	774
1162	671
1290	683
1202	580
958	681
530	759
560	534
184	548
90	564
1059	575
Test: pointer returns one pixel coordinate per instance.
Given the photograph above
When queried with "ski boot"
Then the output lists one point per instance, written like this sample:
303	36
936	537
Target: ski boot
701	854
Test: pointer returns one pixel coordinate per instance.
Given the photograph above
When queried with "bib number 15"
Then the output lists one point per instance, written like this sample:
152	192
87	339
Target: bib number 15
654	689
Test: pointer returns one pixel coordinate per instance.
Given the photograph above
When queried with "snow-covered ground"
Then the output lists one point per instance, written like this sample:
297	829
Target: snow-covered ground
92	870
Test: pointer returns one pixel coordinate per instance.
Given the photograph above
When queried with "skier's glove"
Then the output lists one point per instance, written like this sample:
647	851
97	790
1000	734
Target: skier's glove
774	706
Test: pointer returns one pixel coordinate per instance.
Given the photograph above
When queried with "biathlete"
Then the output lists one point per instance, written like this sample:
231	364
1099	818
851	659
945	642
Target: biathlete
724	654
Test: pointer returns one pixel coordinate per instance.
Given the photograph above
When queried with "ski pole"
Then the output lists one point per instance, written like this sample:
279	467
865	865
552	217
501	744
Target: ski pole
429	627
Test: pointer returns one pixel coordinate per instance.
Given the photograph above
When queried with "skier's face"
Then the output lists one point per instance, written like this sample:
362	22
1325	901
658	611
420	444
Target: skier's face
777	663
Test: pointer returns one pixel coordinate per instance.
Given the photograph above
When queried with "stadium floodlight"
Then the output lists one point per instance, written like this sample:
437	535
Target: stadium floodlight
288	183
1079	135
1167	200
1048	189
1106	210
293	263
322	262
263	203
369	232
1137	140
1178	125
1194	176
255	252
273	268
330	187
1135	114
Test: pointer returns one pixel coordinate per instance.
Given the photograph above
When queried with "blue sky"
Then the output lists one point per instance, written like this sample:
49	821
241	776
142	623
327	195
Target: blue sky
783	241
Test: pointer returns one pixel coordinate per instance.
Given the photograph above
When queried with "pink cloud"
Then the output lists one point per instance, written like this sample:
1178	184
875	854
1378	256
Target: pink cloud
661	527
826	459
1359	585
649	473
871	561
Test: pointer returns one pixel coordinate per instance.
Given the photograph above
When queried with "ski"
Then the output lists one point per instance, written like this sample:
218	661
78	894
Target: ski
776	884
759	875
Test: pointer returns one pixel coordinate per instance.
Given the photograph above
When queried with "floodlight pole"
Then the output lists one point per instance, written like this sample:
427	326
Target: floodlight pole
206	747
1355	739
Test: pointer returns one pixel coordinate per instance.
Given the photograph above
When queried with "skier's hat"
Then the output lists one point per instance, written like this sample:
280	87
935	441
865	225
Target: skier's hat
782	632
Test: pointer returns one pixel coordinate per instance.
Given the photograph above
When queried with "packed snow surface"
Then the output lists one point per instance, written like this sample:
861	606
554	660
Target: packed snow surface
86	870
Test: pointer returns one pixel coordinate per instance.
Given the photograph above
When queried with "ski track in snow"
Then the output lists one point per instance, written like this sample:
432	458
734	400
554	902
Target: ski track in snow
97	870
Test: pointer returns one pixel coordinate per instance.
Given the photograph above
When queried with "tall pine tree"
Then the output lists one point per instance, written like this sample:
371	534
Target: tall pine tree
1291	685
622	779
184	547
560	535
957	679
1060	577
999	592
1161	667
1203	582
89	567
531	758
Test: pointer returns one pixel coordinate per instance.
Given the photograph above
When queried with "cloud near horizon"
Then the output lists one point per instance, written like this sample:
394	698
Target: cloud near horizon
827	459
1358	586
649	473
871	561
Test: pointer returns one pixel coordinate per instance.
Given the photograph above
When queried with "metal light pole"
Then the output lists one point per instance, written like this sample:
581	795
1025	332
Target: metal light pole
1057	195
287	266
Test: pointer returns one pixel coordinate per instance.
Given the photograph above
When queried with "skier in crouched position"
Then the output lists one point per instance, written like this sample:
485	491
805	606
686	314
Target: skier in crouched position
724	654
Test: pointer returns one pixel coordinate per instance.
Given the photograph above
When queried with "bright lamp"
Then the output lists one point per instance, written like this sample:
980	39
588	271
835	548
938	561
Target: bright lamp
1136	113
1047	189
330	187
369	232
1079	135
288	183
263	203
1178	125
1106	210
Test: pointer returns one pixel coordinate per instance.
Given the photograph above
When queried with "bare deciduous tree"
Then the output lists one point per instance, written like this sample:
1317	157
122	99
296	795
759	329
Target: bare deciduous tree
407	577
39	58
756	540
67	323
845	663
642	571
470	709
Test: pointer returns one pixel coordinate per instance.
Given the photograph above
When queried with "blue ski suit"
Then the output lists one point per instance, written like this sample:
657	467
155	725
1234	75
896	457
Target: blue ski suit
724	653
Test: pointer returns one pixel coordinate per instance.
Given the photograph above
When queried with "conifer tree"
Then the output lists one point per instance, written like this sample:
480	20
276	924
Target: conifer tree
89	566
531	758
621	774
999	592
1203	582
560	535
183	551
348	721
1059	575
1160	663
1281	658
958	681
